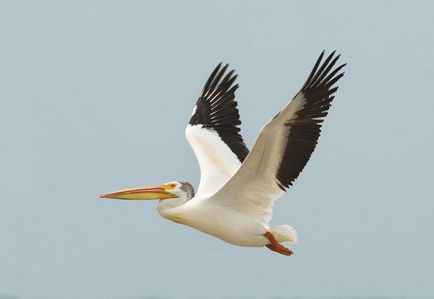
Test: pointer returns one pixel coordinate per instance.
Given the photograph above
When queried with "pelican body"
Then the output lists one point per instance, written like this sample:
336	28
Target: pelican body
237	186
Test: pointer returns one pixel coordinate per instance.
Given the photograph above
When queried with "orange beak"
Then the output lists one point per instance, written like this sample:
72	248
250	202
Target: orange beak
141	193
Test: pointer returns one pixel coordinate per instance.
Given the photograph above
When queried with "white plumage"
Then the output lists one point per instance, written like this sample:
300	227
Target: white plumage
238	188
216	160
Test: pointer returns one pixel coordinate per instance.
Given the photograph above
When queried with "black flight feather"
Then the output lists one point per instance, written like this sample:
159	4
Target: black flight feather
304	129
216	109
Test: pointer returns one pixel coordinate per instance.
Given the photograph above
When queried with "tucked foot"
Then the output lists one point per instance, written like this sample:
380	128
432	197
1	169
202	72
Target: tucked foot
276	246
280	249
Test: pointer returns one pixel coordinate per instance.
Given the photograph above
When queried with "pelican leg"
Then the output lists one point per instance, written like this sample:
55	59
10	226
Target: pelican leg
276	246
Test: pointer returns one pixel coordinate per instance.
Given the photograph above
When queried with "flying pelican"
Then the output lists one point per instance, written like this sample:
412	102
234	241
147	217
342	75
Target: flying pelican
237	187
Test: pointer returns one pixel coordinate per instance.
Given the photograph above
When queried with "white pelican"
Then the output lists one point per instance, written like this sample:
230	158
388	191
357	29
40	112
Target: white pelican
237	188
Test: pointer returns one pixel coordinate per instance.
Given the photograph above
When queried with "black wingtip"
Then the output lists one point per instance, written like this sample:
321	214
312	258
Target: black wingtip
216	109
314	69
324	72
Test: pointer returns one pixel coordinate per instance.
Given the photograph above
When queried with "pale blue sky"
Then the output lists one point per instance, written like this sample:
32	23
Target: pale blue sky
95	96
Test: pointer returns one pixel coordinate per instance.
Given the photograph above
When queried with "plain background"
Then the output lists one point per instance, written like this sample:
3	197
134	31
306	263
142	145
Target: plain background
95	96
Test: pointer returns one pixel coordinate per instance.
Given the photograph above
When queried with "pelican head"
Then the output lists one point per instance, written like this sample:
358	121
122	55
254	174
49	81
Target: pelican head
171	196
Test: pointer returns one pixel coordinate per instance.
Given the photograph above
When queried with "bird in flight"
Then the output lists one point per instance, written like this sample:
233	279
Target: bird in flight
238	188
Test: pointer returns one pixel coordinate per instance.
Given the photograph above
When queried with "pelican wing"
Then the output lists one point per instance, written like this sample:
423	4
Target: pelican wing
284	145
214	134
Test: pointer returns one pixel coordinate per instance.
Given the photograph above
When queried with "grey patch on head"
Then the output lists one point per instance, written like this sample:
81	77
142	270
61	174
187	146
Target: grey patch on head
188	189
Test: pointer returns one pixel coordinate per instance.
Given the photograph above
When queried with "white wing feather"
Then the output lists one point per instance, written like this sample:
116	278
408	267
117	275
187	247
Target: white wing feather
253	188
214	134
283	146
216	161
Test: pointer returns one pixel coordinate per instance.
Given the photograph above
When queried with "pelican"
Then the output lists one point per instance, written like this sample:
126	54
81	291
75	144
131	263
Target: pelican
238	188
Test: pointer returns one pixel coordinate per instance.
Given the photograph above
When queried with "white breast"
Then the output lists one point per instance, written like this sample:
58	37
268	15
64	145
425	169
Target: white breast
229	225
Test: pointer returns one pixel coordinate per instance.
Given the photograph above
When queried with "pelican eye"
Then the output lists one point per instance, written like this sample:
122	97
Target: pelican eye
169	186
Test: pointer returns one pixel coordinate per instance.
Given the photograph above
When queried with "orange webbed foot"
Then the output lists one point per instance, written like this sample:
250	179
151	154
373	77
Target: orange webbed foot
276	246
